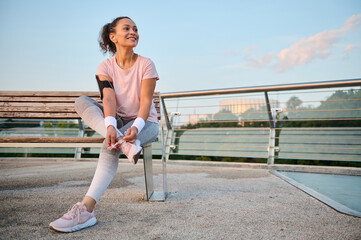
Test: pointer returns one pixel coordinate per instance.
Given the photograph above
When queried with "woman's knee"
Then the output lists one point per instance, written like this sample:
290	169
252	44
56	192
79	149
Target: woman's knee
149	133
82	103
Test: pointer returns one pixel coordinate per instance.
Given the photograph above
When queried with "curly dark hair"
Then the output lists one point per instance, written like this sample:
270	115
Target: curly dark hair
106	45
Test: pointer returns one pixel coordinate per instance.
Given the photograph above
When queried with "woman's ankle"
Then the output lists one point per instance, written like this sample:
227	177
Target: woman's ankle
89	203
88	208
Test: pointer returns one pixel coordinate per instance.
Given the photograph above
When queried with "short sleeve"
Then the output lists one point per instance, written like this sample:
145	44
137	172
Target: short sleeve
150	71
103	69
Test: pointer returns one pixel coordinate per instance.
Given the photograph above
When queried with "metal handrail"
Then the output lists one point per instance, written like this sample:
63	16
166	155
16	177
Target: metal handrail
262	104
266	88
271	112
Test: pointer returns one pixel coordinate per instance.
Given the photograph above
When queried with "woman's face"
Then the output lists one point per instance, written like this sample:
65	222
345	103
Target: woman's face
126	33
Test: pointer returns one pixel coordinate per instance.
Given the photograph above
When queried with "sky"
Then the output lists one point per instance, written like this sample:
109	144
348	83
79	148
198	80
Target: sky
49	45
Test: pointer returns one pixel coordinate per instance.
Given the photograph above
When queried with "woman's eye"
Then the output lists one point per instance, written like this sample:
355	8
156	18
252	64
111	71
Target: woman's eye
135	30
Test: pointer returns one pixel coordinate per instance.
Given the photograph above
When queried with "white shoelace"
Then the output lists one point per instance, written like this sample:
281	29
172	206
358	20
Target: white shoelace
74	211
125	147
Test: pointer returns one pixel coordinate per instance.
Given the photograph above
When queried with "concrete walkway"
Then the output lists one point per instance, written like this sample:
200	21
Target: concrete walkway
205	202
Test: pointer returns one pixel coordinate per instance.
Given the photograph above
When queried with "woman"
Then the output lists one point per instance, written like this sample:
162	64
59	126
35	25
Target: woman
127	119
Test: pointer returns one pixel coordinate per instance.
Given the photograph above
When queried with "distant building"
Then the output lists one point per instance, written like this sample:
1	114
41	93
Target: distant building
195	118
241	105
236	107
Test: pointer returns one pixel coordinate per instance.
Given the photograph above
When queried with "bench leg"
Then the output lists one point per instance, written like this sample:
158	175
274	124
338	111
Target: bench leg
150	195
78	150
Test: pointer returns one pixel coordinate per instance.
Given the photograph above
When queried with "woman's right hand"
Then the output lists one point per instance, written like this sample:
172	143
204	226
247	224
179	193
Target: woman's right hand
111	136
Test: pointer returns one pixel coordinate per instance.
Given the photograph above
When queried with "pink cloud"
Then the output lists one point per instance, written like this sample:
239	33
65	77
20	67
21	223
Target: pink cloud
247	50
261	61
348	48
317	46
305	50
254	61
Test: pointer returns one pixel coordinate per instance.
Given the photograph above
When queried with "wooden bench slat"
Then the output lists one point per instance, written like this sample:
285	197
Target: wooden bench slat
34	115
45	104
48	93
43	99
56	94
48	100
55	109
37	115
50	140
36	104
42	107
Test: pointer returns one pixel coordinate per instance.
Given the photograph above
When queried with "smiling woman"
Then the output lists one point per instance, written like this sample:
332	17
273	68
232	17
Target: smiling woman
113	32
127	119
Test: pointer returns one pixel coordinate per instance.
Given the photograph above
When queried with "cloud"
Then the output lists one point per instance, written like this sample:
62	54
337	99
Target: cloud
253	60
305	50
262	61
317	46
348	48
352	23
249	49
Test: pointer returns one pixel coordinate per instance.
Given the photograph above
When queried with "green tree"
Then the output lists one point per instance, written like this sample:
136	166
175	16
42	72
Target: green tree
339	100
293	103
225	115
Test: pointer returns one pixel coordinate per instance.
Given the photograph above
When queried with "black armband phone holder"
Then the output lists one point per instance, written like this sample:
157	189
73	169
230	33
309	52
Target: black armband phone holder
102	85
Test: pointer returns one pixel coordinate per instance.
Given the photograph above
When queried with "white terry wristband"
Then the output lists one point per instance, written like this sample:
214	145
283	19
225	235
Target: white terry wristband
139	124
110	121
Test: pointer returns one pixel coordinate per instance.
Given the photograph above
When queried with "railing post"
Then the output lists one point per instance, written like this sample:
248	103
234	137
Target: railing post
164	116
169	136
271	146
166	140
272	133
163	112
272	115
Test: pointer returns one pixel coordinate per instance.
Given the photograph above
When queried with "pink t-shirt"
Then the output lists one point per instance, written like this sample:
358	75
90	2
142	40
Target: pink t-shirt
127	85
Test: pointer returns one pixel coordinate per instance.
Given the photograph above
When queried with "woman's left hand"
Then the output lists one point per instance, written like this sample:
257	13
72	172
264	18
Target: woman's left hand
131	134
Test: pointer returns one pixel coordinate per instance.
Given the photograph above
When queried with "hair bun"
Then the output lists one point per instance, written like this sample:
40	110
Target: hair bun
108	27
104	42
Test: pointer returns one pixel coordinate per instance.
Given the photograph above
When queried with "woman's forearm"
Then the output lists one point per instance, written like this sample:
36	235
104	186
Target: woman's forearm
144	109
109	103
146	97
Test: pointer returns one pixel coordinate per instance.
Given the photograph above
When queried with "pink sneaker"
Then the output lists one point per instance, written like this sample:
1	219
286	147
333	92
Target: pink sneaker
75	219
131	150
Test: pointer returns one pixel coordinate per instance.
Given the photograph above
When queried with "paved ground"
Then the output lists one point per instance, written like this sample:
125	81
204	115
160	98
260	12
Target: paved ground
205	202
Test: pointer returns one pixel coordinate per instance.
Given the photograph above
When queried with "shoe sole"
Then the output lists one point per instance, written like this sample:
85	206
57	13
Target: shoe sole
78	227
136	157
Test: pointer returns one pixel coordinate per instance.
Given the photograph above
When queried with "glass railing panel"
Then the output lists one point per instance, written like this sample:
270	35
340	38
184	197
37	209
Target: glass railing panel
327	104
341	144
230	142
319	124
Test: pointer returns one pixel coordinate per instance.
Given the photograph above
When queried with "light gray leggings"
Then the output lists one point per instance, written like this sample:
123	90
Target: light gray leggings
92	114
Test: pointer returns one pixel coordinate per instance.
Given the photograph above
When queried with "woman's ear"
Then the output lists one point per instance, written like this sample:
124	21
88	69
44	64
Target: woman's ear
112	38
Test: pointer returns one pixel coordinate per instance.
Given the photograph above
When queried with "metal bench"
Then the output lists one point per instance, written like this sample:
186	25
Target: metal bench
60	105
